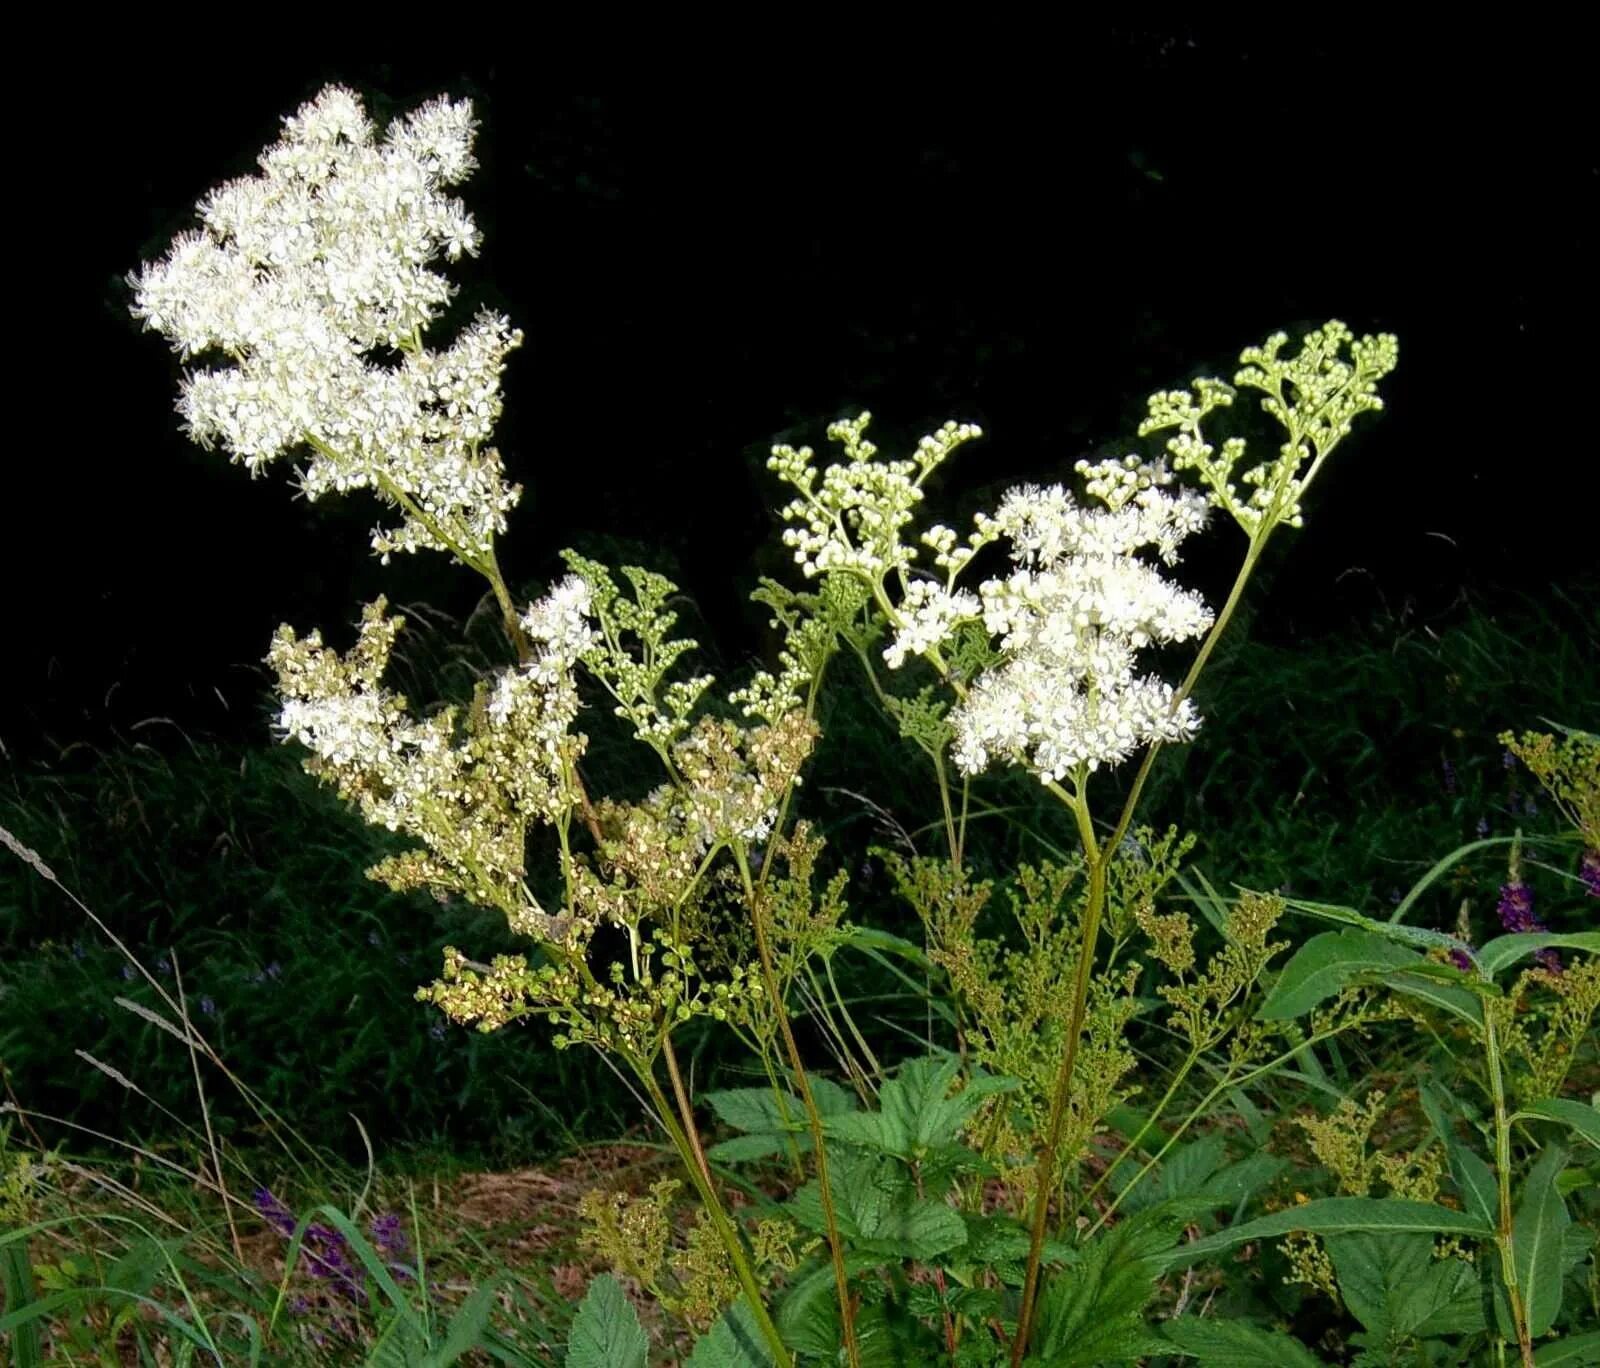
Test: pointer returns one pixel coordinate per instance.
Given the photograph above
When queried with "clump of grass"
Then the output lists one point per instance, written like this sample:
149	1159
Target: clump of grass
233	863
179	1251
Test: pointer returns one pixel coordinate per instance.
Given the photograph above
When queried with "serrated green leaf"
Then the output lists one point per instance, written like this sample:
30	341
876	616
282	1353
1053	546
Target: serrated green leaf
1580	1116
1181	1174
733	1342
1237	1344
1325	965
1337	1216
1371	1269
743	1149
1504	951
916	1112
1092	1312
759	1110
808	1319
1395	1287
606	1332
1538	1231
879	1212
830	1098
1236	1182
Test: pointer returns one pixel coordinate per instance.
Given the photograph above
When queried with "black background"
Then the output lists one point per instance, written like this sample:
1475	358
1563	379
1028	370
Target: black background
703	268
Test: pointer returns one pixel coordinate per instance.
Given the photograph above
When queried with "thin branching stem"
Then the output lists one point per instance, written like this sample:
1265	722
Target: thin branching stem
769	973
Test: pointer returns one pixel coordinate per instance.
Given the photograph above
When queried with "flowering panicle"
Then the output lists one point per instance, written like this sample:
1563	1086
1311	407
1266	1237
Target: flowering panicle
1070	619
1315	395
466	788
305	280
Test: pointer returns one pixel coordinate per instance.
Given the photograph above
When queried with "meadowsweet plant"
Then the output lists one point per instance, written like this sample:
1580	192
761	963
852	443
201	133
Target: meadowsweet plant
1000	1200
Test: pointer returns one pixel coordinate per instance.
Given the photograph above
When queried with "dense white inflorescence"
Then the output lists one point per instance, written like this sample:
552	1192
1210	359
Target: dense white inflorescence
1070	619
312	283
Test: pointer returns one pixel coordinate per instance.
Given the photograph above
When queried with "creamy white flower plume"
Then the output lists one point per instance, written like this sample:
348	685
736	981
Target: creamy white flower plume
304	278
1070	619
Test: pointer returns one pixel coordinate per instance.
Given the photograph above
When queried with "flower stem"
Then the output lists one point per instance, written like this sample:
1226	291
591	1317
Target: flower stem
1502	1171
841	1278
1099	858
1045	1176
685	1109
731	1242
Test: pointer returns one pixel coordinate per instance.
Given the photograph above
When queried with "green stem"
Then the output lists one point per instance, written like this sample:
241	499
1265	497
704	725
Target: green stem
1502	1166
1060	1103
1144	1130
1098	860
1252	555
685	1110
719	1217
769	973
850	1021
1229	1080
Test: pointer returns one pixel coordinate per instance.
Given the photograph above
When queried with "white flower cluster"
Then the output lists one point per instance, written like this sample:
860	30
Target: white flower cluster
929	613
1070	619
466	788
303	277
561	626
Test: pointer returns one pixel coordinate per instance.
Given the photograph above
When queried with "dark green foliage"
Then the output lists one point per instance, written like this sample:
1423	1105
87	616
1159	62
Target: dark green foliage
297	968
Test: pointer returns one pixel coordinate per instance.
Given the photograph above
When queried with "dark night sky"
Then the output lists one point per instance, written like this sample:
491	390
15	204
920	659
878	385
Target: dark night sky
703	271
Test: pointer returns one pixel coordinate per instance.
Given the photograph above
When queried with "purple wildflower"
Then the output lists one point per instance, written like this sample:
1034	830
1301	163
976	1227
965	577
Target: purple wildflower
273	1212
329	1257
1549	961
437	1030
326	1252
128	973
1516	908
388	1237
1483	827
1589	872
1449	773
1462	960
163	965
208	1006
1507	760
